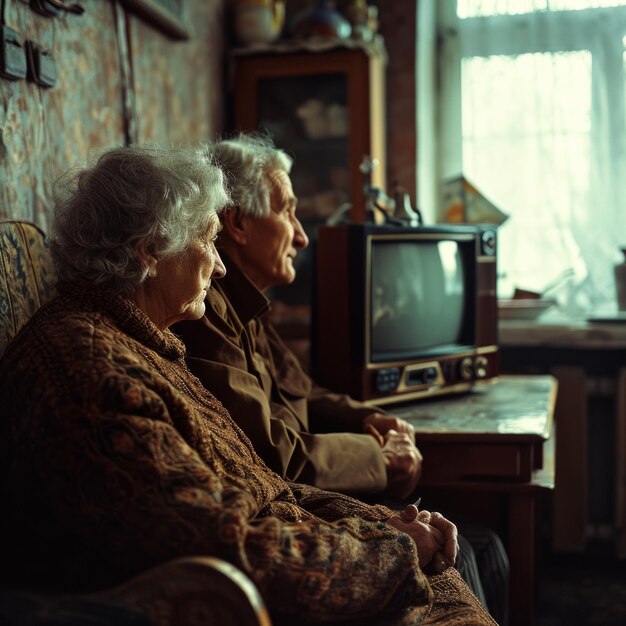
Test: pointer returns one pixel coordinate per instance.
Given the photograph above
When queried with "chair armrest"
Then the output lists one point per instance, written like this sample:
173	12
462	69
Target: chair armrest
192	591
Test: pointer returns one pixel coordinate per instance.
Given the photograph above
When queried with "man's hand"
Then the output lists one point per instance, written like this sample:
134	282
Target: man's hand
404	464
434	536
384	423
402	459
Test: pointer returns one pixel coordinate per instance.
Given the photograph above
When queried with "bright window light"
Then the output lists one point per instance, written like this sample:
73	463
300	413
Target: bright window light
484	8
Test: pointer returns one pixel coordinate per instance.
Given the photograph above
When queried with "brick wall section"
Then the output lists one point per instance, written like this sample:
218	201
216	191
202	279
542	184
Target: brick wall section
397	24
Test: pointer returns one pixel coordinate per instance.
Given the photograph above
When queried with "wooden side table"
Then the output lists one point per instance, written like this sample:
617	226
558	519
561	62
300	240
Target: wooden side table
496	442
588	359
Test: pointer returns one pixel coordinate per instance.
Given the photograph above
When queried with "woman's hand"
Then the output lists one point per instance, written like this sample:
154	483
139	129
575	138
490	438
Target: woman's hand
434	536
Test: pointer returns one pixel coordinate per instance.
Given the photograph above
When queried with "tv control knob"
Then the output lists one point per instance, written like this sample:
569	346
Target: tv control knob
466	369
480	367
430	375
387	379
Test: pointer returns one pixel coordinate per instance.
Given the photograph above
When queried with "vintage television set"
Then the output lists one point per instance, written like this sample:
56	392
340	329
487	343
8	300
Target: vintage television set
401	313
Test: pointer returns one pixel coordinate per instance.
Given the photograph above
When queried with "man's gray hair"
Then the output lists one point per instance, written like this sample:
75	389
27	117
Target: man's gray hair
165	197
247	161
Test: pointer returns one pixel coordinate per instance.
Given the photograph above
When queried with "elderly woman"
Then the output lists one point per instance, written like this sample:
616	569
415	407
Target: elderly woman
114	456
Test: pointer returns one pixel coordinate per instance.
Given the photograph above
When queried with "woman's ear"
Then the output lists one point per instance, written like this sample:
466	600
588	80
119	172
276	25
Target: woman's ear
148	260
235	226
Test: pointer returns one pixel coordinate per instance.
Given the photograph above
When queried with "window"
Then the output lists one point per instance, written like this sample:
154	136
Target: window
531	111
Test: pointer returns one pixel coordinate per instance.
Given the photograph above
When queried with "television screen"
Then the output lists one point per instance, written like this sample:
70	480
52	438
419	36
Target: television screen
416	287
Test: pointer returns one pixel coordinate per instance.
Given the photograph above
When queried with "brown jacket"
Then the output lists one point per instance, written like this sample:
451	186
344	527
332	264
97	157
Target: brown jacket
301	431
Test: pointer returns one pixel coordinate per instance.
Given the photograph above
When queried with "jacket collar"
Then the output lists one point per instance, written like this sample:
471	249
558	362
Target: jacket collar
243	295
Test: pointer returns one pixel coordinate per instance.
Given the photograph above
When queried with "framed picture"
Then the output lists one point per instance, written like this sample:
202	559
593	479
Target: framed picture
166	15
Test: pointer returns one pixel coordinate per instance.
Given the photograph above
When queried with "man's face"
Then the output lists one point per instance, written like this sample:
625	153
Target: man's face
269	255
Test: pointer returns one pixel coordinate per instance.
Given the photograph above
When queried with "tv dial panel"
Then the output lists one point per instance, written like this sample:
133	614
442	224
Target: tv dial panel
433	374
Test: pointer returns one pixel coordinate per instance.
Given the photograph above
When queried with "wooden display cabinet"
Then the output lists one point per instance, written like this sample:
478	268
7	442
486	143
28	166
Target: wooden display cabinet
326	109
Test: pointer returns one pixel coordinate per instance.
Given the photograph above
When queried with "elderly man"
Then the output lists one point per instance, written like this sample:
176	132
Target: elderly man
302	431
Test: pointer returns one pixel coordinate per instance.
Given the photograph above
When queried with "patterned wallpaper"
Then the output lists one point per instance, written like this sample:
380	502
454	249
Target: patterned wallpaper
180	89
174	95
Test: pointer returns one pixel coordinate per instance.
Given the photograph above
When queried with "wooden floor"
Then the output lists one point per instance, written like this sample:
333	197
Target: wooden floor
581	590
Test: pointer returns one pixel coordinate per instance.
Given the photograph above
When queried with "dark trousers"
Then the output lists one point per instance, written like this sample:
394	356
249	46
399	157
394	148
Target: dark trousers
484	566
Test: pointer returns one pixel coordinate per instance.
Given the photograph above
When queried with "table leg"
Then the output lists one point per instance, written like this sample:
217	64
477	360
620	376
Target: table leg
521	549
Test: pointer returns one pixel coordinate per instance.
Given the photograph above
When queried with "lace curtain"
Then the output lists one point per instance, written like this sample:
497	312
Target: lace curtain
528	99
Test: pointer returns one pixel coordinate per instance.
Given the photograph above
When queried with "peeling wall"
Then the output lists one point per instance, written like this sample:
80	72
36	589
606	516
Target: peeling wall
175	94
181	85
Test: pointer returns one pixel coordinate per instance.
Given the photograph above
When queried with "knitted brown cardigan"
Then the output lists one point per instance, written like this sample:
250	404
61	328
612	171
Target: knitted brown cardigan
115	458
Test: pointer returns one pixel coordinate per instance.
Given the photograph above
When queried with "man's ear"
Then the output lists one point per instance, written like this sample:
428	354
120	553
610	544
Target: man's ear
236	226
146	257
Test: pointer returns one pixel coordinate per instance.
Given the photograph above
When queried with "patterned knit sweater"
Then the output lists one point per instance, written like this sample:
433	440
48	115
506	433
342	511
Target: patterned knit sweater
113	458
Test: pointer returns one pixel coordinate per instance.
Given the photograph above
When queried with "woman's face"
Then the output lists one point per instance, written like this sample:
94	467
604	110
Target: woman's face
178	289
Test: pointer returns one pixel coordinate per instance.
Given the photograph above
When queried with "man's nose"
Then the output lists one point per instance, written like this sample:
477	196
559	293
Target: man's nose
300	239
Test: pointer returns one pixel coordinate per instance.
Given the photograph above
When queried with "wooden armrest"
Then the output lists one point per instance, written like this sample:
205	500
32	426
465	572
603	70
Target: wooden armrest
193	591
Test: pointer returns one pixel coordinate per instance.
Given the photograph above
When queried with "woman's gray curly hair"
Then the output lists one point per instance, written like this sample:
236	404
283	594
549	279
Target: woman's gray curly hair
164	197
247	159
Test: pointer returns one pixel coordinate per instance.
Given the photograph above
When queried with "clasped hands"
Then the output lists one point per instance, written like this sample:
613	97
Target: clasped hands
402	458
434	536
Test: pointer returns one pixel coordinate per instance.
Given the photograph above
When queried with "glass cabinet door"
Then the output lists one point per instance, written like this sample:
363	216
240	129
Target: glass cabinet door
308	118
